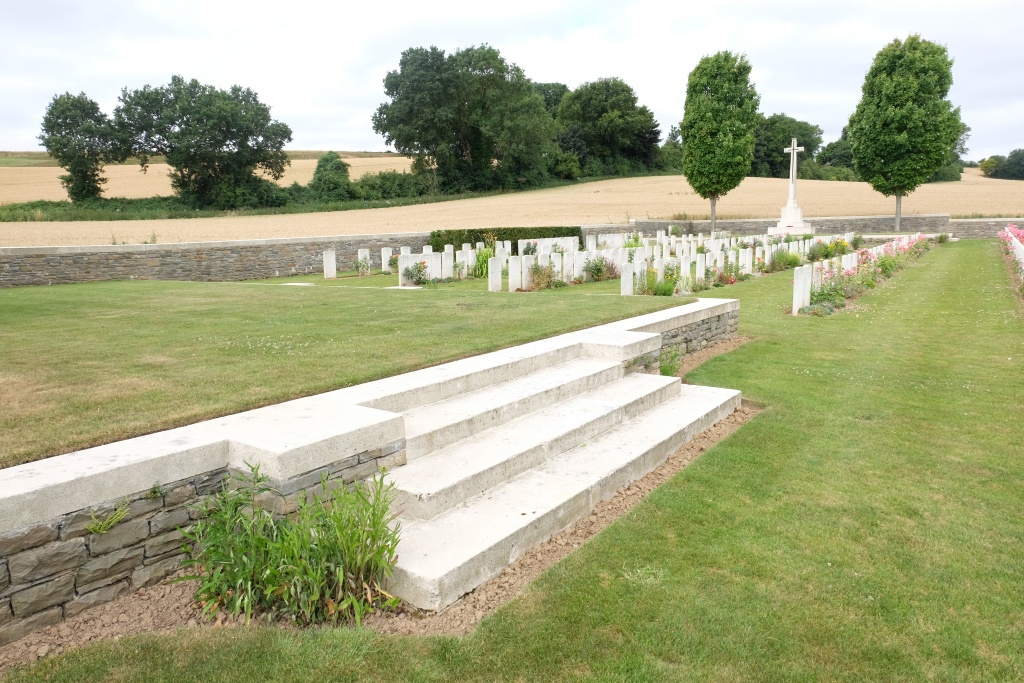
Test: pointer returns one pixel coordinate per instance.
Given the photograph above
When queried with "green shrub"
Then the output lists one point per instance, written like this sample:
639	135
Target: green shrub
782	260
330	181
480	267
542	277
439	238
942	238
326	565
668	363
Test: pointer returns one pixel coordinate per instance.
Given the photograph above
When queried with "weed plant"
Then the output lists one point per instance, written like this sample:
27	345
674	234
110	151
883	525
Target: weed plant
326	565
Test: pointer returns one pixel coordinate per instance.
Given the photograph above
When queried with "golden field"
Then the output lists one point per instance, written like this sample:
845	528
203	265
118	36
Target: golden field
31	183
608	201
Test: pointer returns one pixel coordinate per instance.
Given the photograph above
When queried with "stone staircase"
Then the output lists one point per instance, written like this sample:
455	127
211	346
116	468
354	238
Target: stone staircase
499	468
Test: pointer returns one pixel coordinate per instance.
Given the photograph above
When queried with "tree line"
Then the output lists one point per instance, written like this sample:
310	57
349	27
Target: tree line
471	121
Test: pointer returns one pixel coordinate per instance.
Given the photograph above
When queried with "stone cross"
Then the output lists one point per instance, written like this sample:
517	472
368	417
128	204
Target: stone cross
792	151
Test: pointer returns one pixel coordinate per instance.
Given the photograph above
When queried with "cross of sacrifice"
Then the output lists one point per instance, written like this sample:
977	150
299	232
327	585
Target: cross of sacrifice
792	150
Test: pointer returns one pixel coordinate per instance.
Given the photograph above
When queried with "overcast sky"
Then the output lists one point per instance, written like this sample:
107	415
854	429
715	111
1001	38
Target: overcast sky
320	65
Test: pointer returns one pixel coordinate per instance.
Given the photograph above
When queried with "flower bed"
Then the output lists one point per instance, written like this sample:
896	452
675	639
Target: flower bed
836	284
1013	237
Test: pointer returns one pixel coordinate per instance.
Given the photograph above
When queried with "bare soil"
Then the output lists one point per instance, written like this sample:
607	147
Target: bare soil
608	201
169	606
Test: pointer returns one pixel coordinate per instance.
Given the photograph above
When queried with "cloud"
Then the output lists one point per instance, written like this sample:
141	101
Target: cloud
320	65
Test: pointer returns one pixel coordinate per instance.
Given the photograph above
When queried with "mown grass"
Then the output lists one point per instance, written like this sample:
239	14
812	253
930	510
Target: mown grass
91	363
865	526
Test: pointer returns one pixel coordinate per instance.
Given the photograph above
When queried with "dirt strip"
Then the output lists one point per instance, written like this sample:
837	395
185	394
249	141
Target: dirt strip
169	606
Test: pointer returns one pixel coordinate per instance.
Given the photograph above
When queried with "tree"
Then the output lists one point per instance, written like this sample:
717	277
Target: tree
774	134
671	155
954	165
904	127
1010	167
552	94
718	125
330	181
838	153
80	137
619	136
214	141
470	119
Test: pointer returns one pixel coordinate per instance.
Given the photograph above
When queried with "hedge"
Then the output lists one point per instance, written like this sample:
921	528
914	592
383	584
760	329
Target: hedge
439	238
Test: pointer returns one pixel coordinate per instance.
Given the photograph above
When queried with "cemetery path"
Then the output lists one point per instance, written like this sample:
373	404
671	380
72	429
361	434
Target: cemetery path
168	606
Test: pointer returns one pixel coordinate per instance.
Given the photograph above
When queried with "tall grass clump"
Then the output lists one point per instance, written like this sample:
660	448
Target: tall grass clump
327	563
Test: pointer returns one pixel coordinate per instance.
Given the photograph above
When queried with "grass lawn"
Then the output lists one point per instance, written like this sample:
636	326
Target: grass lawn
86	364
865	526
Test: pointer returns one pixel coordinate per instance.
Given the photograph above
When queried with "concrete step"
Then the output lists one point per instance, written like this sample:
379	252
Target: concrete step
436	425
440	480
443	558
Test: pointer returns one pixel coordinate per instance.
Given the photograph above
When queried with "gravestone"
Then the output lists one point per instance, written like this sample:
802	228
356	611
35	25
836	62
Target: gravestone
427	249
494	274
330	265
447	263
515	273
405	250
626	281
385	258
528	262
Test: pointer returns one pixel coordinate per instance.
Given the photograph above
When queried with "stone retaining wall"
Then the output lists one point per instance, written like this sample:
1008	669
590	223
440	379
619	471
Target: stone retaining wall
258	259
829	225
192	261
702	334
57	568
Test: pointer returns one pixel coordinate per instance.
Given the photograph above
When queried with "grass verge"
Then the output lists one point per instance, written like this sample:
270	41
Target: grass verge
865	526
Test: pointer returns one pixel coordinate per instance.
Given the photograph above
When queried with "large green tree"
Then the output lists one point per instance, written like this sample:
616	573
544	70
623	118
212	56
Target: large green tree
619	135
837	153
470	119
774	134
718	125
904	127
81	138
215	141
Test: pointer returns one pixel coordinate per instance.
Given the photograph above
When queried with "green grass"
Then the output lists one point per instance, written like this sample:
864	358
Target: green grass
866	526
86	364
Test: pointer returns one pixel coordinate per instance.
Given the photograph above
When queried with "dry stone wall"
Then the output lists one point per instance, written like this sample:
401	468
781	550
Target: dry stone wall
259	259
192	261
57	568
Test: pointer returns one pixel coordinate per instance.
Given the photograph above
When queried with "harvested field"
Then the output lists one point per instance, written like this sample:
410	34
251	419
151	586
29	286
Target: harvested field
607	201
30	183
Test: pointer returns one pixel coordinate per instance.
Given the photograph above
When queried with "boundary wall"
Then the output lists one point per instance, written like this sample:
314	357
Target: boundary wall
55	562
266	258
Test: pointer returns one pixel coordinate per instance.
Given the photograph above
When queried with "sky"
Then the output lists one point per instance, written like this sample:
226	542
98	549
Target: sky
320	65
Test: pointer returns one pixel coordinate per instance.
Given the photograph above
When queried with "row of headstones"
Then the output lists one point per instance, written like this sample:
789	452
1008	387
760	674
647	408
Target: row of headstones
810	277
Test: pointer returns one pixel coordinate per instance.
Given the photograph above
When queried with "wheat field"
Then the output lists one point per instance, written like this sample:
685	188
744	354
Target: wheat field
31	183
607	201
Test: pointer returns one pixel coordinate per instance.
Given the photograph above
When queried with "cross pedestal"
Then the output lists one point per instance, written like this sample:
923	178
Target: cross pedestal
792	220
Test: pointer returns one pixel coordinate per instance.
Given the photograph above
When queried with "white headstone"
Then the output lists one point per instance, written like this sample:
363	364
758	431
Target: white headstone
385	258
427	249
626	281
447	264
515	273
528	262
494	274
330	264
